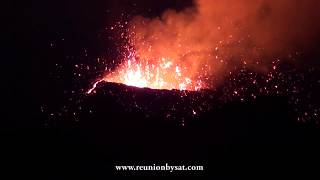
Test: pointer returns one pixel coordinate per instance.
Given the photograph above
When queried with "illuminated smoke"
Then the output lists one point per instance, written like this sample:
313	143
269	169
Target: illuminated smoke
196	48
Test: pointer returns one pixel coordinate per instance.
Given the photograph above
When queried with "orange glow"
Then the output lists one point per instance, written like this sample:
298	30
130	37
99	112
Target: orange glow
196	48
162	73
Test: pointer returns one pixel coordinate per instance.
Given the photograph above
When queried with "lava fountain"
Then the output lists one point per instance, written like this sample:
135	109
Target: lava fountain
163	73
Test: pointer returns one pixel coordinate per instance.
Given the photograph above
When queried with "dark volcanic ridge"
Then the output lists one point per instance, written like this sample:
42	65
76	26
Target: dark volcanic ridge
155	103
298	90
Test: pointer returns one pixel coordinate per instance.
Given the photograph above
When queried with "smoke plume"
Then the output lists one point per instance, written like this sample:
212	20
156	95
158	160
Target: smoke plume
214	36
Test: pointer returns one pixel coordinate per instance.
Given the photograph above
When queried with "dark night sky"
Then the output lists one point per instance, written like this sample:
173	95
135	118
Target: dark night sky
223	140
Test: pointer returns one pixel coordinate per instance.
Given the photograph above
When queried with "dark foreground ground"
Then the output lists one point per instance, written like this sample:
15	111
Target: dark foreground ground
260	138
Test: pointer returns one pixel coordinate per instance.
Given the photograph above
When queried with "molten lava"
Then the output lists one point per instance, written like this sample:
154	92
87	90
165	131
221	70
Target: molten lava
161	73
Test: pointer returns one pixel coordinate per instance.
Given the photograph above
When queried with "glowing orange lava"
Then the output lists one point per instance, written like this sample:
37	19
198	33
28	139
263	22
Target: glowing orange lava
162	73
159	74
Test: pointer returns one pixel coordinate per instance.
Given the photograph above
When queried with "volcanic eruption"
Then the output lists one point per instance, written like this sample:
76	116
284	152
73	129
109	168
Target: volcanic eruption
196	48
